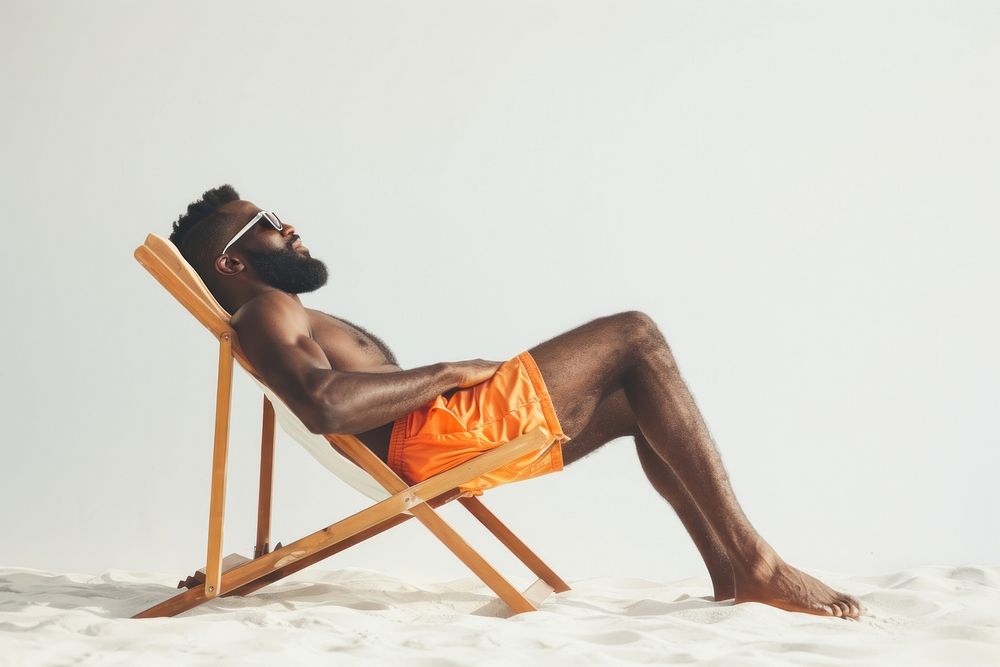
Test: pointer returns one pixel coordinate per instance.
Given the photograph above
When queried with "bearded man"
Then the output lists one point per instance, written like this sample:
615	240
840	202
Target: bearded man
609	378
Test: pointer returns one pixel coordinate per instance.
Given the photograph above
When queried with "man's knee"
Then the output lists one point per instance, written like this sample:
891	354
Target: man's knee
642	330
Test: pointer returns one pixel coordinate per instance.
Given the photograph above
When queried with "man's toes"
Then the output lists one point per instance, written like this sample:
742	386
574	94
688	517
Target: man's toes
850	606
855	603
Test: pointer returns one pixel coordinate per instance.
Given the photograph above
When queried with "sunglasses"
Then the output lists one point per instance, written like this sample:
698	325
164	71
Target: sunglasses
271	217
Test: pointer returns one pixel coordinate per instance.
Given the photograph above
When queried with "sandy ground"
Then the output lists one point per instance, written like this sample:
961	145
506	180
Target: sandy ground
918	616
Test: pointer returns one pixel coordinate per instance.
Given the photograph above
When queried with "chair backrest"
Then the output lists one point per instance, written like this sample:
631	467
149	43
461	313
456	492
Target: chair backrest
162	259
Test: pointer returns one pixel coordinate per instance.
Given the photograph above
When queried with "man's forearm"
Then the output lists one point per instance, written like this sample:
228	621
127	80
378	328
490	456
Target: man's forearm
358	402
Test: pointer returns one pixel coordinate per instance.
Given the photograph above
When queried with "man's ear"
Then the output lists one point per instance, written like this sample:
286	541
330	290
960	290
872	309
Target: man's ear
228	265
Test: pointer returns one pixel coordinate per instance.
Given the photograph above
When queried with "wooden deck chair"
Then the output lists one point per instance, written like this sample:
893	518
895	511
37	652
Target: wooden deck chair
344	455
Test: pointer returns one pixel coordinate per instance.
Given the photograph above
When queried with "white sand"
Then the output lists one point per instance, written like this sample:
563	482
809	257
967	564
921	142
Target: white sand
919	616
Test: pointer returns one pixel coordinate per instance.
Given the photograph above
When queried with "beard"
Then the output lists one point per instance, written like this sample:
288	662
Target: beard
288	270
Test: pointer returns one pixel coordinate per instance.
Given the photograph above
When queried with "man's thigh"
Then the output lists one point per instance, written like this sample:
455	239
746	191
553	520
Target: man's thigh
613	418
585	365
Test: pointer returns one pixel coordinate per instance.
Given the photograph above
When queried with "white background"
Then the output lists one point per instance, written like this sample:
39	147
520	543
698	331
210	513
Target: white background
804	196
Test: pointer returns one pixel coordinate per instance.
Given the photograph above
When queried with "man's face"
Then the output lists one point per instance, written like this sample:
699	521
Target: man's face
278	257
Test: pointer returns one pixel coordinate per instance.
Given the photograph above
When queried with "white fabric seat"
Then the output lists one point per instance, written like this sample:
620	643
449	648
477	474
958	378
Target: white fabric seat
321	450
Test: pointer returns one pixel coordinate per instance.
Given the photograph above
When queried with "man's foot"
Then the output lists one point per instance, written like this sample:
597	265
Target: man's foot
772	581
722	594
722	582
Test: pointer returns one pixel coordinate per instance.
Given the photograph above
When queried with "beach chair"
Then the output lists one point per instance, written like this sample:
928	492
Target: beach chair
347	458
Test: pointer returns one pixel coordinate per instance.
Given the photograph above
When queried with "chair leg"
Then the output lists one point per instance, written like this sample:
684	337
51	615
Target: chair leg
217	507
489	575
262	545
512	542
451	539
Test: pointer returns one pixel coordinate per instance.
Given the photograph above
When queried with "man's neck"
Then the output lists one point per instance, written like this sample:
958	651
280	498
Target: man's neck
238	297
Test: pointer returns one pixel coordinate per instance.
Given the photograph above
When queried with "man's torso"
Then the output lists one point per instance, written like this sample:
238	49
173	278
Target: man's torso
350	348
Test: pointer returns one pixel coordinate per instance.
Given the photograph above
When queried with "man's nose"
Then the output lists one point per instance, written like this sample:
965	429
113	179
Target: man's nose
287	230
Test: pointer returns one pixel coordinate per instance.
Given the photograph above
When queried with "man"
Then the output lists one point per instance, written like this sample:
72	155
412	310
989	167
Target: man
612	377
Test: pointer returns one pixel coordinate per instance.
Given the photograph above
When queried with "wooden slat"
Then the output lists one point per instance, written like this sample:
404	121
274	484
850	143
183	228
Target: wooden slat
262	545
322	554
181	292
167	253
298	550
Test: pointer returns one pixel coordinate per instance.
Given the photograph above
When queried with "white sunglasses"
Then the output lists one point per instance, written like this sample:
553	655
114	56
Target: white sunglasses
271	217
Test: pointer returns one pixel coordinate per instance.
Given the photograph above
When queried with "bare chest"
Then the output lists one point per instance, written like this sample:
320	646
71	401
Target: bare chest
350	347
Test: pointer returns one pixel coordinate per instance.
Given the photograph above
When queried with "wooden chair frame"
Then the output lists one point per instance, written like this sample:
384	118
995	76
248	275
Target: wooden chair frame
237	575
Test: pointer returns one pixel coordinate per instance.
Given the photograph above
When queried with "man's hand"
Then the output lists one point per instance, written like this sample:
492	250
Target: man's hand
472	372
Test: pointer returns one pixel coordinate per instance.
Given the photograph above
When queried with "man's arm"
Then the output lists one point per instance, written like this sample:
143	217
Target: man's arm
367	400
274	333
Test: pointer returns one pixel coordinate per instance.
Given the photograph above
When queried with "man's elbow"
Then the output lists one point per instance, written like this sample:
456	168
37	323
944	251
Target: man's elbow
321	417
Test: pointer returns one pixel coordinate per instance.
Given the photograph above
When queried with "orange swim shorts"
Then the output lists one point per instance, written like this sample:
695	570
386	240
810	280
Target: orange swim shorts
453	429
